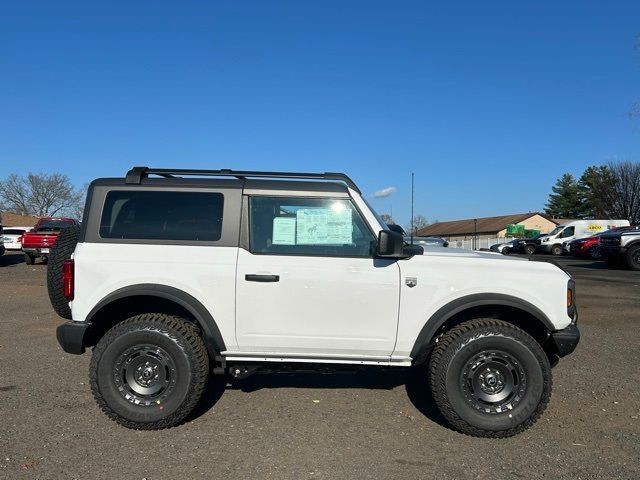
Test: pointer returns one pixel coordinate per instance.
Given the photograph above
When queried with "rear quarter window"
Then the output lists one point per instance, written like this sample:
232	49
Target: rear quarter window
162	215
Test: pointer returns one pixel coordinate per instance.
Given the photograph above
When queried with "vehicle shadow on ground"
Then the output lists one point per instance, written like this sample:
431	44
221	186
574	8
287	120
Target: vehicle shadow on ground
593	265
11	260
414	380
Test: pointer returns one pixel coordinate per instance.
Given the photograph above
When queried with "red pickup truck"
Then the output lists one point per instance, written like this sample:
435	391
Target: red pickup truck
37	242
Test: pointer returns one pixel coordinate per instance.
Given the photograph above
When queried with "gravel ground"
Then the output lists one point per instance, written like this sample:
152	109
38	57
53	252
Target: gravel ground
373	424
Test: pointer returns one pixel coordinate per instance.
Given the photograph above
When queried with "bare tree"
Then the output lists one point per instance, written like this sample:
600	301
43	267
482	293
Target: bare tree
386	218
621	197
418	222
40	194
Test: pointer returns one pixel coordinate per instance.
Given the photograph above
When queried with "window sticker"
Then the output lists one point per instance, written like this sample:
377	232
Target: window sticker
284	231
324	226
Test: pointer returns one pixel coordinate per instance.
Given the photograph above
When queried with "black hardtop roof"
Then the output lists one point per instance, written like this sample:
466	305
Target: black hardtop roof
138	175
275	185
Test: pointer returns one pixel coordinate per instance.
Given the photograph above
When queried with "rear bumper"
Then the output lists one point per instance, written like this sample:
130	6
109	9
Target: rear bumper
566	340
36	251
71	336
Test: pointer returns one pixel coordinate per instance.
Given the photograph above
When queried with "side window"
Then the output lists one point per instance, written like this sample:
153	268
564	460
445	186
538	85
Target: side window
568	232
160	215
308	226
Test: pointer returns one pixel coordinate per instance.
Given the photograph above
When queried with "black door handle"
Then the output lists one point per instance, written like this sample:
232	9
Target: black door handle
252	277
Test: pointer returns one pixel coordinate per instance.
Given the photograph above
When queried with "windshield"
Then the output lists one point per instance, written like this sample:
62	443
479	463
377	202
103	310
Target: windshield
556	230
53	225
375	214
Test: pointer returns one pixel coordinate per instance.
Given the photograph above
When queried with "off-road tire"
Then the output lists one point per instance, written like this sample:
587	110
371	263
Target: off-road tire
62	249
556	250
29	259
529	249
449	361
176	338
632	257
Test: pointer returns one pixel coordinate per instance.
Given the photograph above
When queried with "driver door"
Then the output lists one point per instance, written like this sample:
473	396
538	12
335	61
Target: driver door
309	285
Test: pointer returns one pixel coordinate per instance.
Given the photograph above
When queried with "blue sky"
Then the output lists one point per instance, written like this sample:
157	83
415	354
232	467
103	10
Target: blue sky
487	102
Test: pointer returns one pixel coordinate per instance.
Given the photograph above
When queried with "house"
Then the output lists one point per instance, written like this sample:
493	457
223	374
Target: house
15	220
487	227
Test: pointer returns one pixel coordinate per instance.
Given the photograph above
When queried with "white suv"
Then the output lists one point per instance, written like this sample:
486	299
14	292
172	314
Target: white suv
172	279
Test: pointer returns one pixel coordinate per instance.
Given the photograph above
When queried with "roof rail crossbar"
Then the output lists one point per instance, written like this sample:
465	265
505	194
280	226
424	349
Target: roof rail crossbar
136	174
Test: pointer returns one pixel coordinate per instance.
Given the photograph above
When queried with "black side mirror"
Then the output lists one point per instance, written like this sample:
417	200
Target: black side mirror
390	244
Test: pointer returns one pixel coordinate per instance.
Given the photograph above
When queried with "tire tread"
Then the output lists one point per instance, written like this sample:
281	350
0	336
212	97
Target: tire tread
175	327
439	359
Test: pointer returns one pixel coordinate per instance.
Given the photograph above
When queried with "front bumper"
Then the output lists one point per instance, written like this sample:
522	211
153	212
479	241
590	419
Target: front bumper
566	340
71	336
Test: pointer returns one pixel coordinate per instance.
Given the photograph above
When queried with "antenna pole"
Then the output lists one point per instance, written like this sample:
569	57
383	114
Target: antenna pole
412	224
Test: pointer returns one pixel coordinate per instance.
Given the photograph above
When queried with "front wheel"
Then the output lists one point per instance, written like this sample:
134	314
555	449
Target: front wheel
556	250
633	257
149	372
489	378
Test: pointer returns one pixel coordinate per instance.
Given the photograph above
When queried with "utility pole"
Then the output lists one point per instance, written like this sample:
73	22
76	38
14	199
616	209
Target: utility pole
475	233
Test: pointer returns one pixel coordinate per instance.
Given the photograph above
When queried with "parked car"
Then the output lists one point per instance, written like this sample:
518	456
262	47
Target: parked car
504	248
552	243
172	281
622	248
13	237
38	241
527	246
427	241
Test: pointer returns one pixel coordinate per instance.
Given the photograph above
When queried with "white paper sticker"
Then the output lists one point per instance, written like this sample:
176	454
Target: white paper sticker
324	226
284	231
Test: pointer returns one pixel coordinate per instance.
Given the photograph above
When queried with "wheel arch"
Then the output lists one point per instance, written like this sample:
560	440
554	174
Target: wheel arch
145	298
511	309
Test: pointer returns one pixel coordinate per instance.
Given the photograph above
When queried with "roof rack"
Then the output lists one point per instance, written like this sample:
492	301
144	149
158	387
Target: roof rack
136	174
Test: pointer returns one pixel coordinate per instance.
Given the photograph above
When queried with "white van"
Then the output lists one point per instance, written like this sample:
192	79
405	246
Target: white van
552	243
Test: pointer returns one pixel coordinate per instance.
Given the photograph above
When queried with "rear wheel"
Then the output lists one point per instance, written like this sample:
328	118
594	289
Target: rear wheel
529	249
556	250
489	378
29	259
633	257
149	372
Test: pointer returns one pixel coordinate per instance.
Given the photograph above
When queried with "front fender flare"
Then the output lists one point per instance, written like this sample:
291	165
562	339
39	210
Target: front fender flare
439	318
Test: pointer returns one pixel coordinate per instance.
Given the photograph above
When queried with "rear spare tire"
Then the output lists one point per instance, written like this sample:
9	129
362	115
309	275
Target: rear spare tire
62	249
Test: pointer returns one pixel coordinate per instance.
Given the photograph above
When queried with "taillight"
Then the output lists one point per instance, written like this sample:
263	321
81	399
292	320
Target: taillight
19	239
67	279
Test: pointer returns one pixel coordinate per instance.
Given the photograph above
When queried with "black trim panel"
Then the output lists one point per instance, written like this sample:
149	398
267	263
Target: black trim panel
436	320
71	335
212	335
566	340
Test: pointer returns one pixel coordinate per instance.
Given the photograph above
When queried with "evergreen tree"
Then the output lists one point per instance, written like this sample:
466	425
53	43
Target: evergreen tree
595	186
566	201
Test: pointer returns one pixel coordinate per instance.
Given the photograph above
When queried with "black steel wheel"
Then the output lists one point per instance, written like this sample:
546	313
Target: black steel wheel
489	378
149	372
633	257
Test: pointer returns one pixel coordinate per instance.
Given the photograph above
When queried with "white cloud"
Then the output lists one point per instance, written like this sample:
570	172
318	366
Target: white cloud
384	192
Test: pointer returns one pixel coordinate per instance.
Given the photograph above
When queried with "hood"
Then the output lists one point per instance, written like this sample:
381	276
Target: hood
462	253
